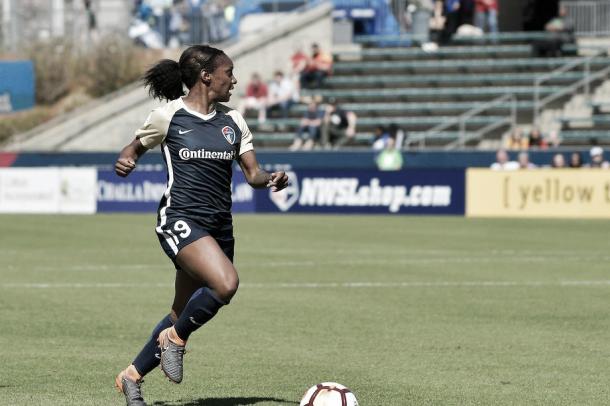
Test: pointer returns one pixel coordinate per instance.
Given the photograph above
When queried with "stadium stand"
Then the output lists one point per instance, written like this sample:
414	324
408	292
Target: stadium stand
419	90
430	94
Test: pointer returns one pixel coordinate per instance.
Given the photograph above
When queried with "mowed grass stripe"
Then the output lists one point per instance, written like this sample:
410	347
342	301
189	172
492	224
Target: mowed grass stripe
394	307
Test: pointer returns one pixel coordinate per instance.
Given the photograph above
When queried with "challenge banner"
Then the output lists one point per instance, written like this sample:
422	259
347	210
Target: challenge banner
142	190
425	191
310	191
561	193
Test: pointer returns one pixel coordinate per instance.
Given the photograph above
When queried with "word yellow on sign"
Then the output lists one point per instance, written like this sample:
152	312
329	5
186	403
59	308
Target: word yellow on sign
568	193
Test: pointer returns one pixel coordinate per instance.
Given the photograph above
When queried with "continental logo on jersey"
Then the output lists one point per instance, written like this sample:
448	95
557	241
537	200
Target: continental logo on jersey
186	154
229	134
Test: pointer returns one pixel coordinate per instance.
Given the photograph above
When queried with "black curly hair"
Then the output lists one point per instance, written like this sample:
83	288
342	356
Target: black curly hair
164	80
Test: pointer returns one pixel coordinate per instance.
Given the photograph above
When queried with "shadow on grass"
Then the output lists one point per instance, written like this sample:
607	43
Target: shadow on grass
225	402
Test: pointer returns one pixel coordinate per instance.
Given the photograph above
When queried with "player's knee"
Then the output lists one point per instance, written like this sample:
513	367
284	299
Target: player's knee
227	288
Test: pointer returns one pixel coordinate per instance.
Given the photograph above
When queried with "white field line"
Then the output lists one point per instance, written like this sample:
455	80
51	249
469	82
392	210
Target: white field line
308	263
323	285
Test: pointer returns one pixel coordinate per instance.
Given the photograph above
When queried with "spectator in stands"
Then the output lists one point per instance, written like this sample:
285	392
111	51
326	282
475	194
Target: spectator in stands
516	140
553	140
280	95
486	14
597	158
309	128
390	158
318	68
380	138
298	62
256	98
175	26
524	161
558	161
451	10
91	17
561	32
502	163
339	126
575	160
536	140
420	12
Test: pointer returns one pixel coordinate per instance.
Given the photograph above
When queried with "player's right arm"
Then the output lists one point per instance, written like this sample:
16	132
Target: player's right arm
128	157
151	134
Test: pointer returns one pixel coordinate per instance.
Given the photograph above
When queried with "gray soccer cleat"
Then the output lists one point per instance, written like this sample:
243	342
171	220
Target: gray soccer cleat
131	390
172	356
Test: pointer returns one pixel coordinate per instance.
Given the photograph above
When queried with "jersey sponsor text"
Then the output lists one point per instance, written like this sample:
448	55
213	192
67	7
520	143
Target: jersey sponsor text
186	154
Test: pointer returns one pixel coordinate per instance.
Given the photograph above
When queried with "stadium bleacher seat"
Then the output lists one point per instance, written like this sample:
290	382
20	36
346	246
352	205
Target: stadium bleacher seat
418	90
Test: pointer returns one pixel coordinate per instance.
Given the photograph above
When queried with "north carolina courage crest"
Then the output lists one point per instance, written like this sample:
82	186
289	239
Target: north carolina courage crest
229	134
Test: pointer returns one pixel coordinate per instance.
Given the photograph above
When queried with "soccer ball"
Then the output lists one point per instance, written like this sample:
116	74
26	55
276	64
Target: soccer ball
329	394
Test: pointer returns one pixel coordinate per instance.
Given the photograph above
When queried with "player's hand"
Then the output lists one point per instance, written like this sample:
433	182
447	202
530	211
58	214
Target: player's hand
124	166
278	181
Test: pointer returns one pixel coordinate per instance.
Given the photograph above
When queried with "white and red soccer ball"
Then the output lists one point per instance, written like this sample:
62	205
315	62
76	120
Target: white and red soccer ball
329	394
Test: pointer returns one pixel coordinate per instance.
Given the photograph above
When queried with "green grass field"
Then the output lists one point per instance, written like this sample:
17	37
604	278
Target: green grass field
403	310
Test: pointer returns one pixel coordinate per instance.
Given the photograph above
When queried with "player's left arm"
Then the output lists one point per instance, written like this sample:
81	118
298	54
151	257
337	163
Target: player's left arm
259	178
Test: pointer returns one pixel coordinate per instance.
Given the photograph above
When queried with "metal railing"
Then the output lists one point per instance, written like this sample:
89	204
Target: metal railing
589	17
584	83
462	121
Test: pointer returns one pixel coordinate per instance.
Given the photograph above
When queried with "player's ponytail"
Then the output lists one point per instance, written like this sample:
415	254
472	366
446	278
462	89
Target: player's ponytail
165	79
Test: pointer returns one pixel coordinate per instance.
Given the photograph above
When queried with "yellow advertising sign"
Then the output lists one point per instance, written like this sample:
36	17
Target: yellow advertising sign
568	193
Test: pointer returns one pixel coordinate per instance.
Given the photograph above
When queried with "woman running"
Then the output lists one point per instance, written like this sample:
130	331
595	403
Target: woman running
199	139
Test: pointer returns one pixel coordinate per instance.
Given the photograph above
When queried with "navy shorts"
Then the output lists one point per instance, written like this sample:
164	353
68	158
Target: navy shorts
177	233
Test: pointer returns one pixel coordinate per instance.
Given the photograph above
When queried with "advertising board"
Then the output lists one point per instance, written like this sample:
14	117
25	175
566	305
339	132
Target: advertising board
562	193
426	191
48	190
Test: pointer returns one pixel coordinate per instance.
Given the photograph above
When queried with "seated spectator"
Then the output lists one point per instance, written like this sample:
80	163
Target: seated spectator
298	62
558	161
390	158
524	161
280	94
597	158
553	140
502	163
339	126
309	128
516	140
535	139
575	160
380	138
319	67
561	32
256	98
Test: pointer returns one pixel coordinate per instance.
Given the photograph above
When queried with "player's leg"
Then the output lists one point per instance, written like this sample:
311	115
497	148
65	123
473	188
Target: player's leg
209	265
129	380
149	356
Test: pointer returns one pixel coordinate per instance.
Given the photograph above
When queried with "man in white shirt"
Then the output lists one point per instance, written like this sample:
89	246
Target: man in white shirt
280	95
502	163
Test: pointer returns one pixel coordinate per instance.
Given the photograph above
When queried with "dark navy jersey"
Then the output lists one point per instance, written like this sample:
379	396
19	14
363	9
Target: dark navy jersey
199	151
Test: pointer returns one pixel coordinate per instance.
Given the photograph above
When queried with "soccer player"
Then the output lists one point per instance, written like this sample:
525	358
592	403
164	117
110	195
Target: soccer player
199	138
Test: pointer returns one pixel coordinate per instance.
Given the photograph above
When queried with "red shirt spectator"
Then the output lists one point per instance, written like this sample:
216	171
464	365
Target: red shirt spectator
256	89
299	61
482	6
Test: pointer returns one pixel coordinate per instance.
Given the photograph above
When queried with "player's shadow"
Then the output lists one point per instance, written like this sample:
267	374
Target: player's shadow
226	402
